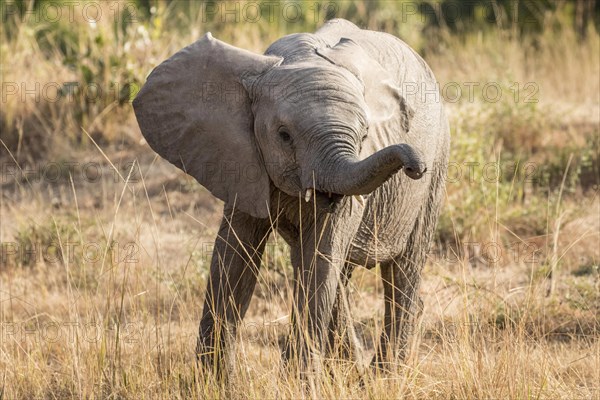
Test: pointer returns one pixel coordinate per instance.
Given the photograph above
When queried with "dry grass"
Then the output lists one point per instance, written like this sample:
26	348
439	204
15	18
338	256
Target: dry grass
102	274
125	327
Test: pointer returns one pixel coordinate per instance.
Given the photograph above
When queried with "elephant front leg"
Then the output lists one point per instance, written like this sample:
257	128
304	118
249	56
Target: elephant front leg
402	304
318	264
233	274
343	343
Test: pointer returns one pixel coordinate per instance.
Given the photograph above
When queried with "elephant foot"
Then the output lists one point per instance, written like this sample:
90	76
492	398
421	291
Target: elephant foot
210	363
390	361
301	361
213	353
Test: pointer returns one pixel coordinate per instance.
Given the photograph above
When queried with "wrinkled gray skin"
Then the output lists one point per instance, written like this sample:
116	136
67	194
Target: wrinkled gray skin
341	111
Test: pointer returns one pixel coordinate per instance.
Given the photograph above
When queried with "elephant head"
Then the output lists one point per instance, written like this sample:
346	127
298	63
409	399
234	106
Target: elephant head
239	122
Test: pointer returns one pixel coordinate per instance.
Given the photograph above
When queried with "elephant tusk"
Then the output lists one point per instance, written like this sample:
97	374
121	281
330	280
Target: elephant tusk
360	199
308	195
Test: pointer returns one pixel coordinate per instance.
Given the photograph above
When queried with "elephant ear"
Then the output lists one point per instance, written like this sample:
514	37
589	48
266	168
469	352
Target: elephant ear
195	113
382	95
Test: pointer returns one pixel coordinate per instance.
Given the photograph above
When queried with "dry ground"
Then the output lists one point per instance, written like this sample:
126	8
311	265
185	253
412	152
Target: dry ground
81	320
102	273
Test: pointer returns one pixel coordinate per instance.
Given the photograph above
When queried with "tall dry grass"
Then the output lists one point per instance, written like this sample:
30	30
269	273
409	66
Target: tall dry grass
102	276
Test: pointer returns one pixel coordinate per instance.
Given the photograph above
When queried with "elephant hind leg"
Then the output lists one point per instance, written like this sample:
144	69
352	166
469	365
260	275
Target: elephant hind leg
401	280
400	286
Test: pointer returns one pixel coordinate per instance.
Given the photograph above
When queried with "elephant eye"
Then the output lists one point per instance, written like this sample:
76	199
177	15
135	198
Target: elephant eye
284	135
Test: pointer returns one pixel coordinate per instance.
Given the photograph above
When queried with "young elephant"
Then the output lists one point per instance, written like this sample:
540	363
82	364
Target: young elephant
308	140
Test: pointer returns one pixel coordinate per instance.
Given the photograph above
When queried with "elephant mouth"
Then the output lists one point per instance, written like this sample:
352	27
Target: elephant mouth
332	197
327	200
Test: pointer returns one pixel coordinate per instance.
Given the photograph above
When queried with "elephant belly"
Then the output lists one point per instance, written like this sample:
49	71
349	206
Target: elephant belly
391	214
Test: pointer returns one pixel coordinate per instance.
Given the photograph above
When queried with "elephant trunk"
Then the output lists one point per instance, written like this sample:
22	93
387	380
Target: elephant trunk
348	176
